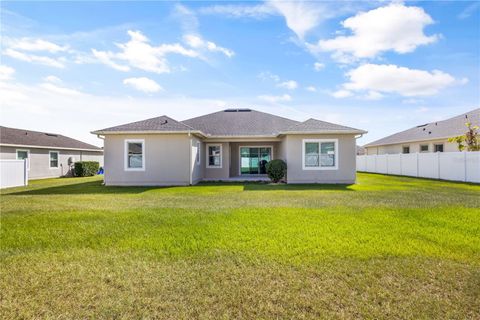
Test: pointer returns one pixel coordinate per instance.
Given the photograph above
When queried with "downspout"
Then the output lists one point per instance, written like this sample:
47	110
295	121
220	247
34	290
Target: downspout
190	173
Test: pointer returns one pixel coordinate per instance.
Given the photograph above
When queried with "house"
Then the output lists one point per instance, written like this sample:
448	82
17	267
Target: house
49	155
231	144
430	137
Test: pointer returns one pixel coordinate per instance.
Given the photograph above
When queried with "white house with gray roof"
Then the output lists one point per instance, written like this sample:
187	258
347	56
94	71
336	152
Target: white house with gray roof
48	155
430	137
232	144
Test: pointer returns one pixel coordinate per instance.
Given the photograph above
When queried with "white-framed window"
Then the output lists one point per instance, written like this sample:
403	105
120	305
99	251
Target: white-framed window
53	157
23	154
320	154
134	155
214	155
198	154
424	148
438	147
406	149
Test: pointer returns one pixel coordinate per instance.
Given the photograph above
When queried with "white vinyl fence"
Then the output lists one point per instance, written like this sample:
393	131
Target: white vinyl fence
456	166
13	173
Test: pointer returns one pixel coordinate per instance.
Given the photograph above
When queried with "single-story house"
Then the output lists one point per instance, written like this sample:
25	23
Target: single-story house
430	137
48	154
231	144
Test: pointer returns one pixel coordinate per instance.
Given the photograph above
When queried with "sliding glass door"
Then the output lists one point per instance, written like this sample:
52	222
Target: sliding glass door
254	159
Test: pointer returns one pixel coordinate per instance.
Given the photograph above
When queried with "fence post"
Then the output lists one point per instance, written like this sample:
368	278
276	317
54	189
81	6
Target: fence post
417	162
25	170
438	165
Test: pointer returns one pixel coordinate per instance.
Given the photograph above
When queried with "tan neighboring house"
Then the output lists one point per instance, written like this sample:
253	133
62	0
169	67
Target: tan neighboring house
233	144
48	154
430	137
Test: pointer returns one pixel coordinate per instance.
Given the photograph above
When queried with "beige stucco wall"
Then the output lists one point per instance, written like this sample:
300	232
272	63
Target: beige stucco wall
167	160
414	147
40	160
346	157
217	173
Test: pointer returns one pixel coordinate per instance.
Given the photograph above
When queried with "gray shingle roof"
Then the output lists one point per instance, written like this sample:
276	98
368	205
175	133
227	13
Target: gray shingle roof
162	123
240	122
435	130
232	123
314	125
23	137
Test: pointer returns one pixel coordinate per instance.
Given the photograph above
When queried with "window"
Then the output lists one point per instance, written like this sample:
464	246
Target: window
320	154
197	156
135	155
424	148
214	156
22	155
438	147
406	149
53	159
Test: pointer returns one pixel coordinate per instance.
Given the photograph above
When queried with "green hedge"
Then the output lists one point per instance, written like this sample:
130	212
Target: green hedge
276	170
86	168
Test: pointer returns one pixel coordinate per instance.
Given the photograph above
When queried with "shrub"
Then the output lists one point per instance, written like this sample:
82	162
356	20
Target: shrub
86	168
276	170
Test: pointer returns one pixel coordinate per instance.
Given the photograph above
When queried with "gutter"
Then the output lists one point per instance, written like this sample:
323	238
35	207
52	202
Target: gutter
190	172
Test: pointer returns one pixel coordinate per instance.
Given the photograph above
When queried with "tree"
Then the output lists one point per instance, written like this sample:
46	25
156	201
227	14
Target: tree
470	140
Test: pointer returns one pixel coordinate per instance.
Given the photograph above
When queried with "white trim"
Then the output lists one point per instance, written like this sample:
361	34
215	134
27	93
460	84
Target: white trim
28	156
240	157
105	133
207	154
199	151
125	154
50	159
47	147
324	132
320	141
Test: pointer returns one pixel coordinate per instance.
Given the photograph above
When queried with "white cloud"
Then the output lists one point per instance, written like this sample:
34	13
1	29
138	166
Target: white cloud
197	42
342	94
311	89
394	79
267	75
469	10
143	84
27	57
394	27
290	85
29	44
106	57
300	16
317	66
139	53
373	95
258	11
6	72
275	99
57	89
52	79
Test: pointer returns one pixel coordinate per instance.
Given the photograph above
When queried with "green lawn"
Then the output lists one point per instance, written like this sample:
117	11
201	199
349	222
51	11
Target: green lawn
387	247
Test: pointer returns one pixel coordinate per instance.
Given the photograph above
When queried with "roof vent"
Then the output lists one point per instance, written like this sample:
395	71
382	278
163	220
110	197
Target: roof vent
51	135
422	125
164	122
429	132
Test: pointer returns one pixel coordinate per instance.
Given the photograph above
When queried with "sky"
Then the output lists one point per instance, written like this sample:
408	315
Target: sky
75	67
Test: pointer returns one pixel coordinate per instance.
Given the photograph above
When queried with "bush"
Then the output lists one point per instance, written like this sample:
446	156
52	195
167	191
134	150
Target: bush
276	170
86	168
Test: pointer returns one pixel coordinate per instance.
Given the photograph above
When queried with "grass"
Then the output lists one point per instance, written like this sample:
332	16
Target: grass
387	247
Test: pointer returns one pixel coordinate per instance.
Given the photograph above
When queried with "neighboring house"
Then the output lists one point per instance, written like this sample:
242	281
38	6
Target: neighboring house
430	137
49	155
227	145
360	151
